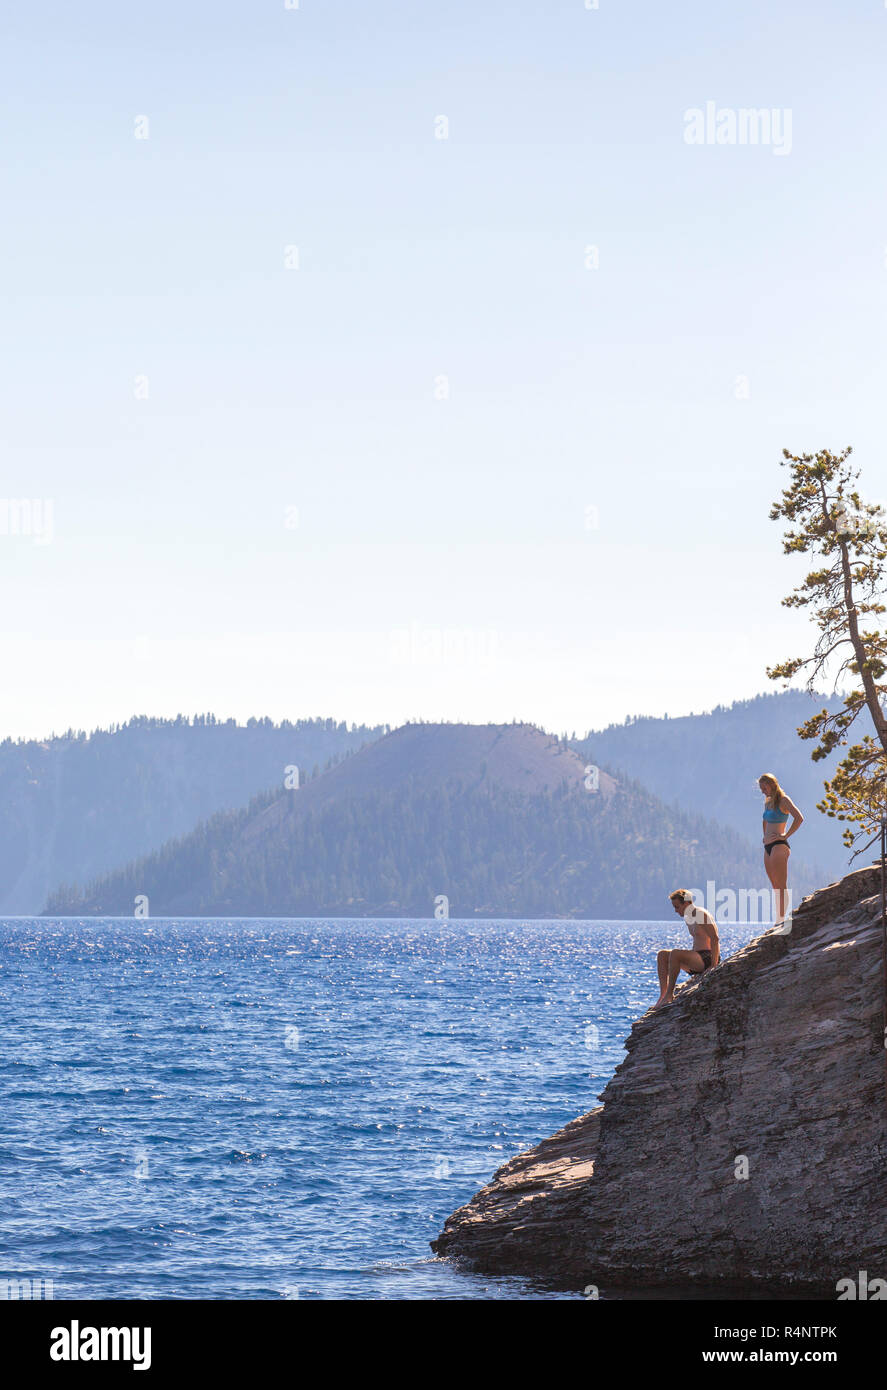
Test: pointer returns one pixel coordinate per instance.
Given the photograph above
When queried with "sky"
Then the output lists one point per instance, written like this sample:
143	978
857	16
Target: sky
408	361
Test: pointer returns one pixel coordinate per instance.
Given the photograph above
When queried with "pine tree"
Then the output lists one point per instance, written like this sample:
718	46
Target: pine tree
829	519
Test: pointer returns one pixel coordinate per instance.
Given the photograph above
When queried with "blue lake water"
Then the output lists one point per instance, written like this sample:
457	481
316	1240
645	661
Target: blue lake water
282	1109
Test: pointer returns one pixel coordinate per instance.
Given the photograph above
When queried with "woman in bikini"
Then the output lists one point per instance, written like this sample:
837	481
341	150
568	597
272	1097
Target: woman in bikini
777	809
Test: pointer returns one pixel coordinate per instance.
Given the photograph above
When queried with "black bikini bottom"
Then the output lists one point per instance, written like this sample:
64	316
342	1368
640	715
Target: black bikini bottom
769	846
706	963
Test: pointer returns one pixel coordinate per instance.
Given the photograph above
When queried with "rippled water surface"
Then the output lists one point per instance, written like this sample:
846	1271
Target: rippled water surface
281	1109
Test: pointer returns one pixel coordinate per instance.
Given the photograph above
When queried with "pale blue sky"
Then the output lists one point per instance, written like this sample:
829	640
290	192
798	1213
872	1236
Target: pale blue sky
172	582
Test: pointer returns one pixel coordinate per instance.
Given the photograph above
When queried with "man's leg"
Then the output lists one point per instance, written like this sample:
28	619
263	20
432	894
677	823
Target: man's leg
678	961
662	967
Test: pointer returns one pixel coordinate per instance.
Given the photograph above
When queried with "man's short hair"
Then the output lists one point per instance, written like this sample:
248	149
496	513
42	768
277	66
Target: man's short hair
681	895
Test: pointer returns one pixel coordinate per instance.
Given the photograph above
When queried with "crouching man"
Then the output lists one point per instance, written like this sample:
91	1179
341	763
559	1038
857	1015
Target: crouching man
704	953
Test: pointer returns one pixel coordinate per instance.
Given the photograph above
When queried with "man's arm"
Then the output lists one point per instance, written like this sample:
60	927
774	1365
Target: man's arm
715	940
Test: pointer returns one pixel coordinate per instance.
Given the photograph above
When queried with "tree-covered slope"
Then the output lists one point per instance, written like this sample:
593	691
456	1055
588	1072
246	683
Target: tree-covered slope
710	763
498	819
75	807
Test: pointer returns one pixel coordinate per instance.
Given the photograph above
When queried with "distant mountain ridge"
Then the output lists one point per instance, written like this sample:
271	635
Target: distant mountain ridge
501	820
77	806
710	763
469	753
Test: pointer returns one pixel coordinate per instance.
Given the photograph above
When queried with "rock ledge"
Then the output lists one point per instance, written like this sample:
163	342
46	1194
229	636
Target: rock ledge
773	1066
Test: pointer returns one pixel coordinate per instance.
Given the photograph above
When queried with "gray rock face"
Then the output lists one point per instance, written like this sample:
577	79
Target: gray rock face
743	1141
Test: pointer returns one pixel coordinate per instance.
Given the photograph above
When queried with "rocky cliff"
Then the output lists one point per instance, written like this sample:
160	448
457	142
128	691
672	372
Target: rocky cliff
743	1141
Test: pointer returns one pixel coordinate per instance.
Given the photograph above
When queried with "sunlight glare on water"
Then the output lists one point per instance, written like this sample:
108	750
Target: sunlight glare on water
291	1109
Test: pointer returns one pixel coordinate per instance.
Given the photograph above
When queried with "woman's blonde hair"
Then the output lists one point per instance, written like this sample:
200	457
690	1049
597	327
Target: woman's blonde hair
777	793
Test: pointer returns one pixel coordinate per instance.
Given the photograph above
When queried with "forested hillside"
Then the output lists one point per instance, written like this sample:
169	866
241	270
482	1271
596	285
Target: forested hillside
499	819
80	805
710	763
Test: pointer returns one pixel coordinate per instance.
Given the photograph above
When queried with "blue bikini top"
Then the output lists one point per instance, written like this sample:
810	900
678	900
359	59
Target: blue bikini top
774	815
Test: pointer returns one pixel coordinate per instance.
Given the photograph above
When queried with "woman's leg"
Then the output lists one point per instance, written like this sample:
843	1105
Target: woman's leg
769	871
777	872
